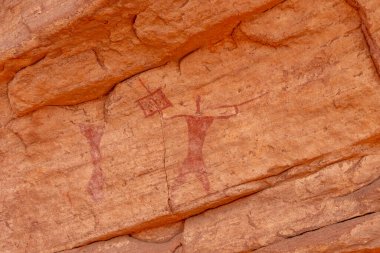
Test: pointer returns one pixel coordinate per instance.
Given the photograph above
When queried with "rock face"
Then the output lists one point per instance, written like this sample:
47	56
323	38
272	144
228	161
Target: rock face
190	126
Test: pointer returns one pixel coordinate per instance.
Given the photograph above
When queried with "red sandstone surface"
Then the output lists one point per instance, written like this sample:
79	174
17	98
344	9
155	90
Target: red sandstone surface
189	126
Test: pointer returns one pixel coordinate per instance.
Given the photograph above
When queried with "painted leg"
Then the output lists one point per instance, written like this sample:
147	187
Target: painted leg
95	185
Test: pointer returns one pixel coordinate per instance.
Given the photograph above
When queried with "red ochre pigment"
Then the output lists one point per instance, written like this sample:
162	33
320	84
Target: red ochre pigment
94	135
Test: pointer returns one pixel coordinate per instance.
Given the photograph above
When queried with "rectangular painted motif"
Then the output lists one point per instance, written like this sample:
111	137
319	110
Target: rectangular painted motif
154	102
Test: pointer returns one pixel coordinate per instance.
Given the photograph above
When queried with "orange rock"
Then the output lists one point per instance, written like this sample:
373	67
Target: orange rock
357	235
335	194
27	27
370	25
160	234
115	43
126	116
128	244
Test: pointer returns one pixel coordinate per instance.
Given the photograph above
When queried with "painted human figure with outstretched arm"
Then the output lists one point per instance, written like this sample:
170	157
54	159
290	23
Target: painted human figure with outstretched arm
197	126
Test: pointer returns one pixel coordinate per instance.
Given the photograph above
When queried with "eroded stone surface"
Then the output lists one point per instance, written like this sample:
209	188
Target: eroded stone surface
289	209
160	234
361	233
6	111
25	21
118	42
56	176
369	14
284	104
284	117
128	244
27	27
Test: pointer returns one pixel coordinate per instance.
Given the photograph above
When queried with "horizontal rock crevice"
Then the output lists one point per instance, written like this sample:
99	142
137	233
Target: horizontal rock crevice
172	125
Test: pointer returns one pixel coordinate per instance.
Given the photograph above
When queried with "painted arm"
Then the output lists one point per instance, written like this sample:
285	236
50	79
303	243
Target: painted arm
236	106
175	116
230	115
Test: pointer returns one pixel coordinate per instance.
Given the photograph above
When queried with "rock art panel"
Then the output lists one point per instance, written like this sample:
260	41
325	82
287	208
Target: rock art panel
66	167
295	101
276	98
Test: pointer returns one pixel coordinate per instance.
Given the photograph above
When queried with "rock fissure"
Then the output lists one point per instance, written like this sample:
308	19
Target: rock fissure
186	45
373	47
357	191
316	230
180	60
99	59
244	195
255	121
164	162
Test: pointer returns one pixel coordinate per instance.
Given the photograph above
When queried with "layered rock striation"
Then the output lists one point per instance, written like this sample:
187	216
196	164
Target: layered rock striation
190	126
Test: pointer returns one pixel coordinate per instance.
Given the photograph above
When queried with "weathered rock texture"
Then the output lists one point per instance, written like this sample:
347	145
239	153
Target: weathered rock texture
190	126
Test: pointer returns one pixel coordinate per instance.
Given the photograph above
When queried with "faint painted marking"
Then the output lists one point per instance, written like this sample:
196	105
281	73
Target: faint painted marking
197	126
94	135
154	102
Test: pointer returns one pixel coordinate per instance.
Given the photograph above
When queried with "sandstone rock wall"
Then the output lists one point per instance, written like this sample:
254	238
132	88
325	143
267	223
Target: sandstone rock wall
190	126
